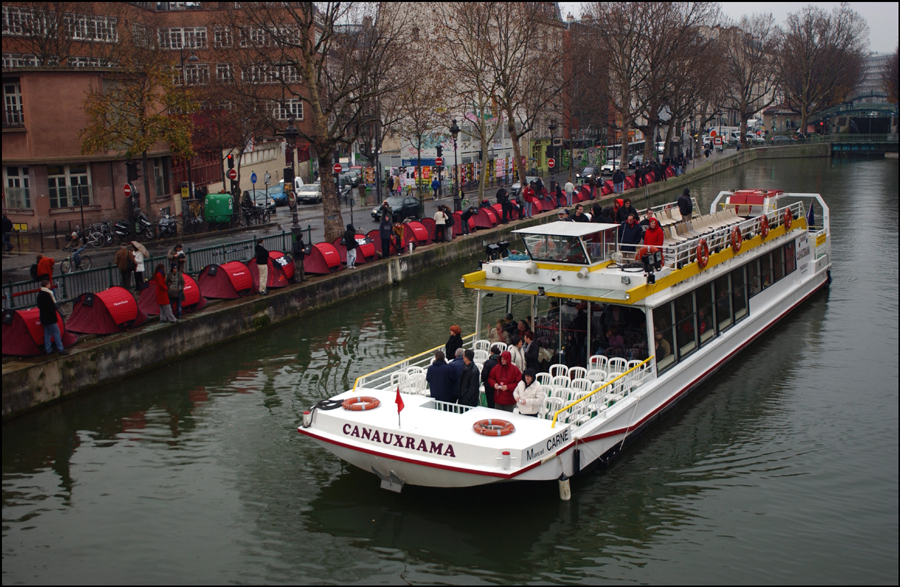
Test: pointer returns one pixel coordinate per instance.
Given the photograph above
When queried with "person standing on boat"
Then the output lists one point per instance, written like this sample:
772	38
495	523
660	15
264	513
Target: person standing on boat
469	394
515	351
454	342
528	394
503	380
654	236
630	235
532	351
685	205
442	379
458	364
492	362
626	209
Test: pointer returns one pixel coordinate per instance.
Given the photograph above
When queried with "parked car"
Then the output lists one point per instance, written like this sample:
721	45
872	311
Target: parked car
275	193
310	193
402	207
610	166
516	187
586	174
258	197
351	177
635	161
298	181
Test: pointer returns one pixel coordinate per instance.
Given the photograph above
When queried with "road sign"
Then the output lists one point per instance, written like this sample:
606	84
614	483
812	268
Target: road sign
439	161
551	163
337	168
267	178
712	132
253	177
127	190
232	174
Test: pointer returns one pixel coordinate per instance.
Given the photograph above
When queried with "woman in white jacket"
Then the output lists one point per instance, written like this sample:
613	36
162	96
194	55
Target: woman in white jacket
529	394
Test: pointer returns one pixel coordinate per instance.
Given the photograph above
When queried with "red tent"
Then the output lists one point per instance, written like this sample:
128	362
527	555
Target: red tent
23	335
193	301
498	210
486	218
670	171
457	224
536	206
106	312
365	253
229	281
606	190
629	182
609	184
281	270
584	194
429	225
419	233
323	260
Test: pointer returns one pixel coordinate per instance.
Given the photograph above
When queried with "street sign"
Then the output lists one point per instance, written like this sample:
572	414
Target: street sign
551	163
439	161
713	132
127	190
253	177
232	174
337	168
267	178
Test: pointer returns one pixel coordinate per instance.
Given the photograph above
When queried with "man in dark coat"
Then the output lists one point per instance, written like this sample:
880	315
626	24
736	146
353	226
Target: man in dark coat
385	232
298	251
505	206
625	210
532	351
630	233
468	384
262	264
442	379
46	304
465	216
580	216
685	205
492	362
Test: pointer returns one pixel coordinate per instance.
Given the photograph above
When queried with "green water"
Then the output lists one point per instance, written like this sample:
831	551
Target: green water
781	469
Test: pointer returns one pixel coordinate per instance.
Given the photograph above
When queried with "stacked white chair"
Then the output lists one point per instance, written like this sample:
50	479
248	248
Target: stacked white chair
560	381
544	379
598	376
582	384
414	370
561	392
556	370
399	379
551	405
617	366
598	362
577	372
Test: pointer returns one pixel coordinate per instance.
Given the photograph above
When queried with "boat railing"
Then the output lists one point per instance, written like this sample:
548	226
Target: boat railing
387	377
594	404
682	254
447	407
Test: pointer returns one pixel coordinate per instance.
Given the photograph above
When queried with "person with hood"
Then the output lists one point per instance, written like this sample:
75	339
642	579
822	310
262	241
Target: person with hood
162	294
685	205
465	216
46	304
529	394
45	268
493	361
630	233
503	381
442	379
454	342
626	209
469	394
351	245
385	232
654	236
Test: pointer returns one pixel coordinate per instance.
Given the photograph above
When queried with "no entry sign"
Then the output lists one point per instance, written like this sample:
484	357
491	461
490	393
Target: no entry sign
127	190
439	161
337	168
232	174
551	163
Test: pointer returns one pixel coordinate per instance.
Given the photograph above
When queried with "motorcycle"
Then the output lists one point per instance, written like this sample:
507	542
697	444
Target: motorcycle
142	225
167	225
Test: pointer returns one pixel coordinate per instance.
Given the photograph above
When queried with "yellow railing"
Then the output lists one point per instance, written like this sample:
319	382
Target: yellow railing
601	388
406	360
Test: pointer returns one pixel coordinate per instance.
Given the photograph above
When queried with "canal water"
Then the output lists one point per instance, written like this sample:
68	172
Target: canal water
782	469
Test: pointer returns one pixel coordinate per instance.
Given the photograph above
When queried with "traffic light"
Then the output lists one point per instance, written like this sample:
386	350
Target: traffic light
440	151
132	169
230	161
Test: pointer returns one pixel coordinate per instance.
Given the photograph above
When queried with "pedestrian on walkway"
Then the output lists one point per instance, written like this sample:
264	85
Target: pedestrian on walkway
385	233
174	252
298	251
436	188
175	289
262	263
351	245
124	260
7	233
440	224
570	192
139	266
398	238
505	206
464	217
162	294
46	304
619	181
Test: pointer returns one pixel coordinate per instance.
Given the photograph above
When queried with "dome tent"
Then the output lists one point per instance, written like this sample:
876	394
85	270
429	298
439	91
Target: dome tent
23	334
193	301
107	312
229	281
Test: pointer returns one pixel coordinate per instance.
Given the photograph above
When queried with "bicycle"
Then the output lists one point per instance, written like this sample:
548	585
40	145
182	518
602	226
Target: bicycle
66	265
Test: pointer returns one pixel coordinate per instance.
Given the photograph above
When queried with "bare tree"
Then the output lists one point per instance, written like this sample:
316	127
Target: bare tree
889	78
334	58
585	93
821	57
750	50
418	106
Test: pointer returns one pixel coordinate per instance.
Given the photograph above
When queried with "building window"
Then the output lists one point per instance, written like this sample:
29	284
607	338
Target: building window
69	186
13	60
158	179
85	27
222	37
224	73
17	188
17	21
12	104
182	38
289	109
89	62
194	74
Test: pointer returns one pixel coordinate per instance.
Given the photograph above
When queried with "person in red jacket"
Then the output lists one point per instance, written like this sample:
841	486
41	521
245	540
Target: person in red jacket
503	380
162	295
653	236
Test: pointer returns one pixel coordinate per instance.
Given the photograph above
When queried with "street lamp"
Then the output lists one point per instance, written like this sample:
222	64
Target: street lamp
290	134
553	127
693	144
454	132
192	59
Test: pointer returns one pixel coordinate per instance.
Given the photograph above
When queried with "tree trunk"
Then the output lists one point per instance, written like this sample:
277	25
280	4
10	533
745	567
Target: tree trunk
146	186
517	150
482	180
331	207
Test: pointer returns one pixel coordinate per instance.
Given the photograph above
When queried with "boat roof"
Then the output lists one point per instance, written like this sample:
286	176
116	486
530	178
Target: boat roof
567	228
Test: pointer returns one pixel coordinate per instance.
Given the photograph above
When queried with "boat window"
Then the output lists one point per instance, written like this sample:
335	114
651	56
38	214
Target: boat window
723	302
564	249
739	294
622	332
778	264
493	308
765	271
546	327
790	259
704	313
495	311
753	277
685	329
664	335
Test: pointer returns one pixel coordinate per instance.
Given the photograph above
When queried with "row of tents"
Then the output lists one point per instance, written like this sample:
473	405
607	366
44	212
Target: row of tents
116	310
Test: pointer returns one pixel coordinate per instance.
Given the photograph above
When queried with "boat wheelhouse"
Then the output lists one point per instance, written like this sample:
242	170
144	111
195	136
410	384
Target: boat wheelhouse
624	335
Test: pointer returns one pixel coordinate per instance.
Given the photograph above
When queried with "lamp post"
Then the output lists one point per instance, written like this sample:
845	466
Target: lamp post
553	127
656	145
290	134
191	59
693	144
454	132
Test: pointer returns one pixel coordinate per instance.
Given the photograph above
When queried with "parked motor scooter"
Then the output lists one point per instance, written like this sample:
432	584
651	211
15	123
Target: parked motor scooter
167	225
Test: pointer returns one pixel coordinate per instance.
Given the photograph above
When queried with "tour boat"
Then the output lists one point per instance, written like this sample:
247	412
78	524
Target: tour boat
639	329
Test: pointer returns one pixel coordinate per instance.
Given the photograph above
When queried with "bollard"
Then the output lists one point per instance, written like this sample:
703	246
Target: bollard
410	247
565	489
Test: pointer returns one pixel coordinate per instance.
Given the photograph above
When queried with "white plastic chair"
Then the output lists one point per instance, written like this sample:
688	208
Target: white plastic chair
481	356
549	407
482	345
577	372
598	362
597	375
617	365
556	370
632	364
544	379
560	381
562	393
399	379
582	384
414	370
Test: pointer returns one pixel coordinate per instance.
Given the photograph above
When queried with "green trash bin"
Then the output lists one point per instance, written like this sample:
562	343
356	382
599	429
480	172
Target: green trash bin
218	208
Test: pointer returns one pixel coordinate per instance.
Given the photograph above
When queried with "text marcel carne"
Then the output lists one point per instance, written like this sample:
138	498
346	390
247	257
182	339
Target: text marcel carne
399	440
552	442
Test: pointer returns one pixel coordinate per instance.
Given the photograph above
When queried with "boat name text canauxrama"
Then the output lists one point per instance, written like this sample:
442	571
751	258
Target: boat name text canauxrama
394	439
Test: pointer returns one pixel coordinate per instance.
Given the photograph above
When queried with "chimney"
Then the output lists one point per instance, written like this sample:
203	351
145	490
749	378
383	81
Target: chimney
569	18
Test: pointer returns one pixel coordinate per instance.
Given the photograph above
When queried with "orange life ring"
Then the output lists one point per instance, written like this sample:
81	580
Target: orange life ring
702	253
788	218
736	239
493	427
764	226
360	403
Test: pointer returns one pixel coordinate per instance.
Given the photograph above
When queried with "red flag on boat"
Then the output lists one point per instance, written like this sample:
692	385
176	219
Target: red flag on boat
399	401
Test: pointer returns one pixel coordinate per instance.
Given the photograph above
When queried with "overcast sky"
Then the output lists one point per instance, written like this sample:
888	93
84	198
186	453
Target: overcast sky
881	16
